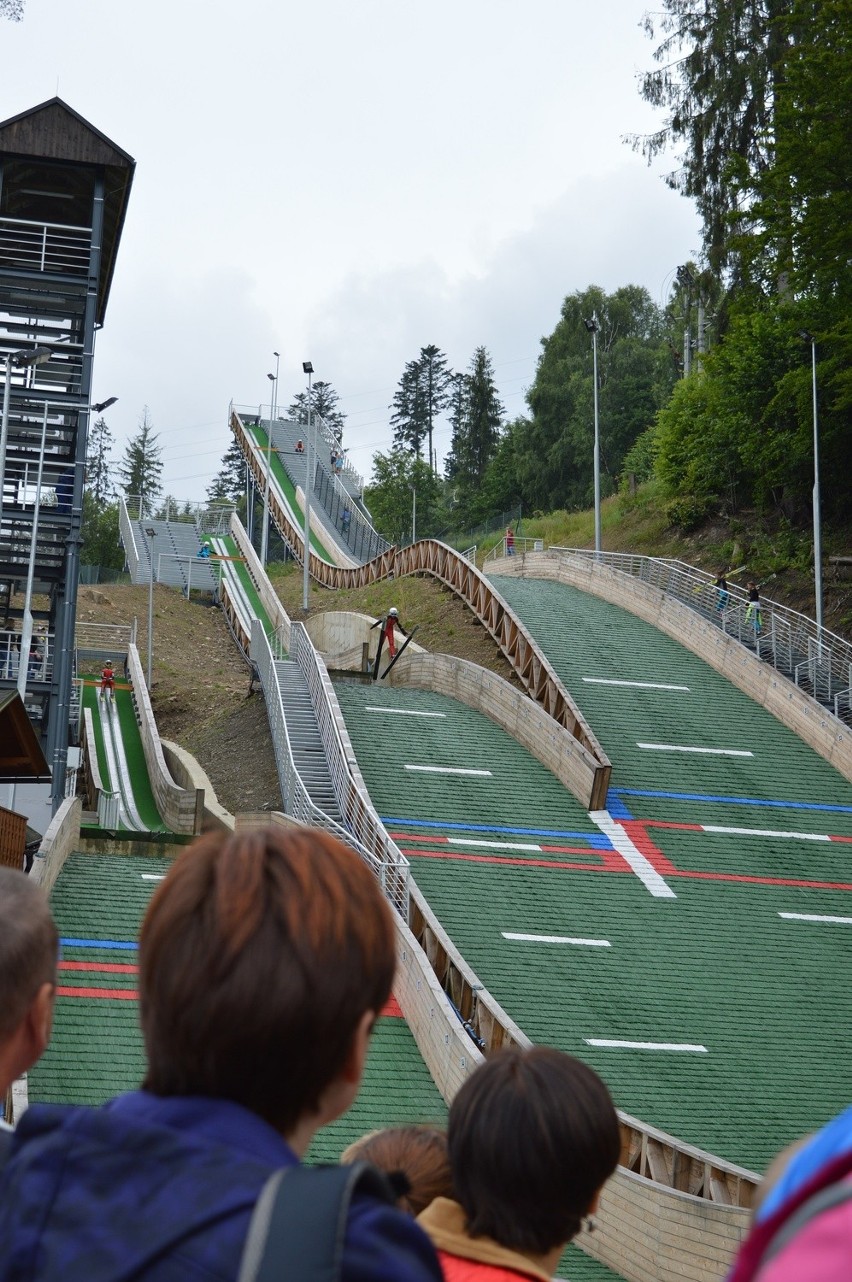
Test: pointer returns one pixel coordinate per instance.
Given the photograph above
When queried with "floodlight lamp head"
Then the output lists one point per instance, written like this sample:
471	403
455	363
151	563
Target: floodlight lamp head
307	367
33	356
272	376
104	405
150	531
805	336
591	325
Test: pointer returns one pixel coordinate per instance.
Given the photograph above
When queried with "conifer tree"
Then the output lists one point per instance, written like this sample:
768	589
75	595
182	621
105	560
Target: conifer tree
409	419
141	468
99	468
325	405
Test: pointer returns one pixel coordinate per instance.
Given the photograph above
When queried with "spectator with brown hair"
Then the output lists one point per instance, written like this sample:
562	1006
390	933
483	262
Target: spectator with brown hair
533	1137
265	958
418	1154
29	948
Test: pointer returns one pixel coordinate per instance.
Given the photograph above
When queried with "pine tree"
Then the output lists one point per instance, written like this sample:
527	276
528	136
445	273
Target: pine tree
409	419
484	416
458	418
436	380
325	406
229	482
99	482
141	468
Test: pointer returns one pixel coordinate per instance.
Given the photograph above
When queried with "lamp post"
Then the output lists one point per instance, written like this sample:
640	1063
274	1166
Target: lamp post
308	369
593	326
273	409
809	338
31	356
152	534
27	623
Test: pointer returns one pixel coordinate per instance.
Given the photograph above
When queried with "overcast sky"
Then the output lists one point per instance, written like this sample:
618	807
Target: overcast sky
347	181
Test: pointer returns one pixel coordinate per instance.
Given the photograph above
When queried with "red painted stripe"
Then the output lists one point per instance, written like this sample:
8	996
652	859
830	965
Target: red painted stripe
849	839
392	1009
515	863
635	829
762	881
107	968
121	994
410	836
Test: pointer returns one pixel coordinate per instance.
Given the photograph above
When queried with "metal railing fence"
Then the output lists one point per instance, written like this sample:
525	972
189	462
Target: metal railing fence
353	527
359	817
817	660
128	538
45	247
296	797
40	659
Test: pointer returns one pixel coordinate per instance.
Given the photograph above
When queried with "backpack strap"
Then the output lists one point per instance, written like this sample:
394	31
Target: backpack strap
298	1225
825	1200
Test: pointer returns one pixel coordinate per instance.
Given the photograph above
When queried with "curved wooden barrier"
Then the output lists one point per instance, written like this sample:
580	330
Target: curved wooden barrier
428	556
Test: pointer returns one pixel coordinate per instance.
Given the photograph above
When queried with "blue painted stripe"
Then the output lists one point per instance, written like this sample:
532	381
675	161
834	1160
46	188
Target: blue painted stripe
736	801
597	841
98	943
616	806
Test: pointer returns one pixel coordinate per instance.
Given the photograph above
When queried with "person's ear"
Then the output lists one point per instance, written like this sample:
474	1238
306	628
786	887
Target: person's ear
356	1058
40	1017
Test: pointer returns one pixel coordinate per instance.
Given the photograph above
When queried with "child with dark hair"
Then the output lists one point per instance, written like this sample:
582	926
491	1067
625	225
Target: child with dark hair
414	1157
265	958
533	1137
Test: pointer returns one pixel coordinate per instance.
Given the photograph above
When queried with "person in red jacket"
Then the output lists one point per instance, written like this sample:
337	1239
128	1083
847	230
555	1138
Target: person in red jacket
533	1136
108	681
388	623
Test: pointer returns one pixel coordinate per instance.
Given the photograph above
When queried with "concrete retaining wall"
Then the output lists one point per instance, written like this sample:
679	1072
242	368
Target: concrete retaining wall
181	809
62	836
339	635
551	744
759	680
188	774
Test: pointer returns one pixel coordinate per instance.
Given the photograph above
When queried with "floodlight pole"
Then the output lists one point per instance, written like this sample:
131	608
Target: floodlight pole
593	326
809	338
273	409
152	534
308	369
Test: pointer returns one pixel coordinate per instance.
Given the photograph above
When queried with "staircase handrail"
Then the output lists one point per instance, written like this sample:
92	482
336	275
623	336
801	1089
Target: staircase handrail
349	789
128	538
297	799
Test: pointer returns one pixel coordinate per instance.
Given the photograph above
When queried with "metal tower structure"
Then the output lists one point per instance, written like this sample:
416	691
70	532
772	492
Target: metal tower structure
64	189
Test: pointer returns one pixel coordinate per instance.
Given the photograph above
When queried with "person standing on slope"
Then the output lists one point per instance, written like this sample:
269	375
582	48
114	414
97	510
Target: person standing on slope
388	623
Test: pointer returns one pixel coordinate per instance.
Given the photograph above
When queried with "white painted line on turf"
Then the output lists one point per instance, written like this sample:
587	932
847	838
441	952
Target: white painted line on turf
840	921
638	685
643	868
767	832
404	712
493	845
153	876
608	1043
713	752
448	770
556	939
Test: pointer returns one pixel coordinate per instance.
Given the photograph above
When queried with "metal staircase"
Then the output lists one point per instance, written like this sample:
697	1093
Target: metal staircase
306	742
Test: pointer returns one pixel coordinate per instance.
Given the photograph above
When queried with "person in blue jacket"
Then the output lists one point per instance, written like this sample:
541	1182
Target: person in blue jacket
265	958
